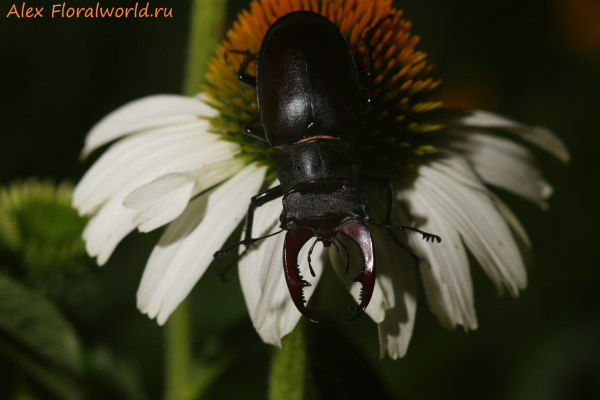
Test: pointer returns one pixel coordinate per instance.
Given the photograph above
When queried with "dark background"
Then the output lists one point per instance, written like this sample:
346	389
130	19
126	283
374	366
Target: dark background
536	61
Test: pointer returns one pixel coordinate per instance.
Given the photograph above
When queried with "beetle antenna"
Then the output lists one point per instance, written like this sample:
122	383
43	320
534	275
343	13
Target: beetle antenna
309	254
245	53
223	273
369	34
347	253
426	236
246	242
367	42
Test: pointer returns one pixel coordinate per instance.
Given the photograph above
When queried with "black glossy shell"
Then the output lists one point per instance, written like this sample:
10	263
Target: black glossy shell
307	81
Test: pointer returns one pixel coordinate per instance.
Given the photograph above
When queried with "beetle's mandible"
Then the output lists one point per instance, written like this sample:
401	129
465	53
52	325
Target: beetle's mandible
310	102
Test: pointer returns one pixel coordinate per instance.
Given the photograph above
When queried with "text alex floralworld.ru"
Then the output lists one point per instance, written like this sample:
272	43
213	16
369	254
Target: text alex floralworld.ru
62	11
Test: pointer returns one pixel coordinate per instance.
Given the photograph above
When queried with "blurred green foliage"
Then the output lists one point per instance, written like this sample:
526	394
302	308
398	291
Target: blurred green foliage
39	226
536	61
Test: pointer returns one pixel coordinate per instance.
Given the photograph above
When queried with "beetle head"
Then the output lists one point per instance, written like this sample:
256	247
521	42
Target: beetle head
326	232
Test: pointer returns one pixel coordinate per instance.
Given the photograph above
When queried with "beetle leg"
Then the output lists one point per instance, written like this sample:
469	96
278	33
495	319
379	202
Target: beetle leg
253	131
256	201
387	185
415	257
242	75
245	242
366	75
360	234
426	236
294	240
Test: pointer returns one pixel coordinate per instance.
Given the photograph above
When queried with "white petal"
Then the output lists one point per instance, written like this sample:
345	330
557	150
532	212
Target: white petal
146	113
473	213
446	275
271	276
517	230
141	158
275	307
505	164
186	248
266	221
482	119
145	196
378	303
131	163
385	264
169	196
107	228
271	336
165	198
289	315
396	329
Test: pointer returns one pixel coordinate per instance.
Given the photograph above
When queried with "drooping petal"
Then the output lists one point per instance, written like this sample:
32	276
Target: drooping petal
463	118
275	307
385	263
165	198
146	113
505	164
396	329
131	163
107	228
170	196
517	230
462	173
271	276
445	272
266	221
396	276
187	246
474	215
379	303
141	158
261	275
288	314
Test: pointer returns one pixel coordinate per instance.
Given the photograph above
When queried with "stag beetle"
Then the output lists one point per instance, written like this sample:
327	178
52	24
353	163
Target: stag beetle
310	102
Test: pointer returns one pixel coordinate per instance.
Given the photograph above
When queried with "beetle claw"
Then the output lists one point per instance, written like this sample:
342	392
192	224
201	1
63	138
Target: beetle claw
294	240
359	312
360	234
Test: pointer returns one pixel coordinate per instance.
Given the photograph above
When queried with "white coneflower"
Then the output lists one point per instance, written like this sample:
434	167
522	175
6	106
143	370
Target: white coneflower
185	162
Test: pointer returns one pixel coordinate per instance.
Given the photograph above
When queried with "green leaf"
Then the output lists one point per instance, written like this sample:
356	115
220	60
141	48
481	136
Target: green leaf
60	385
32	320
113	377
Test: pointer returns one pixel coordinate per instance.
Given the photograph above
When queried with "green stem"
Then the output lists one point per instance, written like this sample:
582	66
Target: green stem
207	17
178	355
206	27
288	367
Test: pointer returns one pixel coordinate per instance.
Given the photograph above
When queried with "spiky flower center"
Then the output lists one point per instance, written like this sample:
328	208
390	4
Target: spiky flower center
392	134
